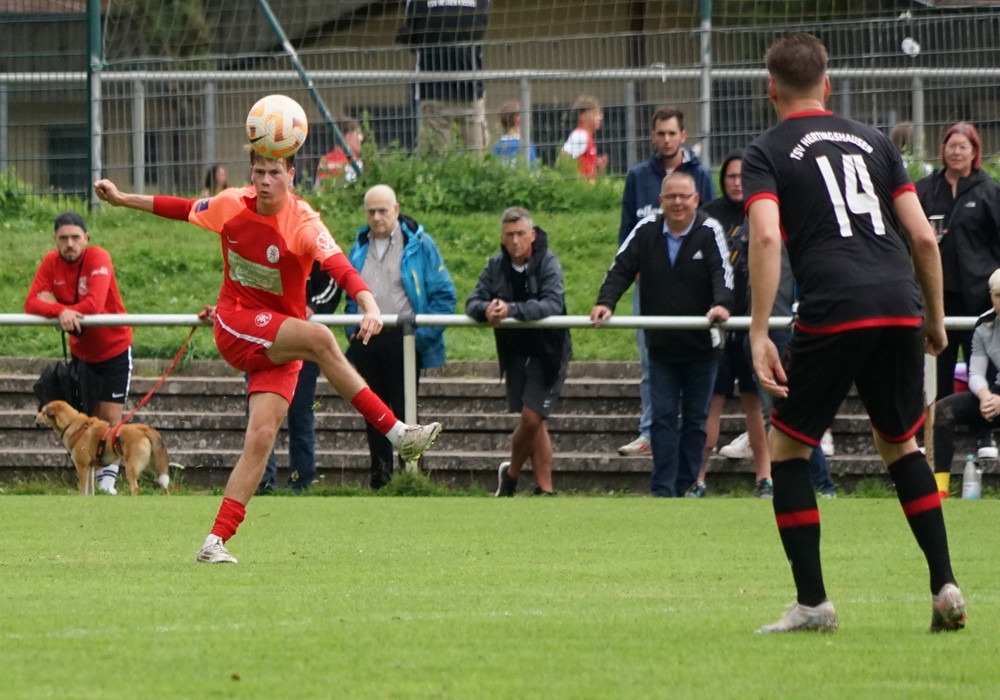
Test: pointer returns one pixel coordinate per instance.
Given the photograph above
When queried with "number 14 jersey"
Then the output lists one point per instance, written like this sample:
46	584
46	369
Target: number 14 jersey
835	181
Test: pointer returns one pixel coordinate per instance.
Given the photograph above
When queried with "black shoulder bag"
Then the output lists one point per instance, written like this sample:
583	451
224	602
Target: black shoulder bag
60	381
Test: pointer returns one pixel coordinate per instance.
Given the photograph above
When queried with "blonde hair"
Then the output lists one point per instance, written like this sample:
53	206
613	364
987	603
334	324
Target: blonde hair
995	281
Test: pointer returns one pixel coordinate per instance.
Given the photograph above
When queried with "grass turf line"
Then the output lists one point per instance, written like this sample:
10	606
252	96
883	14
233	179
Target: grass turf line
566	598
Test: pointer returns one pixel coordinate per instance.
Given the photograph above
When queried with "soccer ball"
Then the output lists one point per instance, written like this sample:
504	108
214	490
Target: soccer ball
277	126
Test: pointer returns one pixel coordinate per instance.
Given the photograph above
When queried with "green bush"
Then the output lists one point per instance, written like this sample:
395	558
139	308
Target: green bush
460	183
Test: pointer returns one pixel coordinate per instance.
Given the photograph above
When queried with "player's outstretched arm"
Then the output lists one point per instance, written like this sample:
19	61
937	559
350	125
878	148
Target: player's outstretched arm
371	322
108	192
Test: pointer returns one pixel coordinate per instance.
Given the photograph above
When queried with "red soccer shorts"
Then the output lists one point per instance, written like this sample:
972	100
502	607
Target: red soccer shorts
243	338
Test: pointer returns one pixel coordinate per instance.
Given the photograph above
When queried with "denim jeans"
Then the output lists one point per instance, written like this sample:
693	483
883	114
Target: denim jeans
683	388
301	436
646	416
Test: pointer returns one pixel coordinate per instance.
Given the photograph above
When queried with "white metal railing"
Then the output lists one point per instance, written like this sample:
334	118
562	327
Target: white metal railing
452	320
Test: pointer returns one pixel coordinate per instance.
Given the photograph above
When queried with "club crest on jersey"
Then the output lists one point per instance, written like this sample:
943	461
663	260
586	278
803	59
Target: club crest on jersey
82	287
272	254
262	319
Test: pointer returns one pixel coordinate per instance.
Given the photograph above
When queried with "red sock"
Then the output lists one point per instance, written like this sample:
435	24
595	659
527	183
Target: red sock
231	514
374	410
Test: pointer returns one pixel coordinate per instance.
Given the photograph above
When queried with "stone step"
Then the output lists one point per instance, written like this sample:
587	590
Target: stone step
200	411
485	431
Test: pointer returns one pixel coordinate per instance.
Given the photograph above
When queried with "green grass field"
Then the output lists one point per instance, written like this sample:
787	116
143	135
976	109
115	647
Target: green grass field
478	598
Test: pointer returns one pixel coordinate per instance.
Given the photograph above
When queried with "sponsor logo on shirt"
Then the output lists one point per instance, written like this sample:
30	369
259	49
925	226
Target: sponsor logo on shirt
697	255
970	205
100	271
253	275
262	319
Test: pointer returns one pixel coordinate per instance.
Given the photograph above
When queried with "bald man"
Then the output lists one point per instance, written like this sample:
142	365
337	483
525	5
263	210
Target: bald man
401	265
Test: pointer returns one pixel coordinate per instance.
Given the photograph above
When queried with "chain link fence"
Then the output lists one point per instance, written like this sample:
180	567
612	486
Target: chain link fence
153	93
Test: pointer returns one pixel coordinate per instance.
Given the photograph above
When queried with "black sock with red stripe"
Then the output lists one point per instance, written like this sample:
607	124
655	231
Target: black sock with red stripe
797	516
918	494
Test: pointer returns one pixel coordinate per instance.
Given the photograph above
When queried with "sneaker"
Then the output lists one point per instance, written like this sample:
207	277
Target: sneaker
828	495
506	485
763	489
696	490
214	552
802	618
826	444
416	440
539	491
987	448
639	446
948	610
738	448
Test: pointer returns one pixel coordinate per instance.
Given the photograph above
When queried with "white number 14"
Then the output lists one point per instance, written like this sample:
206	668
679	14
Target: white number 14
859	192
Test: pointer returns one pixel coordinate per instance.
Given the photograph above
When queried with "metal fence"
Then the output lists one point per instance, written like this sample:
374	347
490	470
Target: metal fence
161	90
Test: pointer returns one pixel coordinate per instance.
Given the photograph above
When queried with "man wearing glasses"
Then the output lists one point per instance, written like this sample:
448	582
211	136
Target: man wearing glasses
682	258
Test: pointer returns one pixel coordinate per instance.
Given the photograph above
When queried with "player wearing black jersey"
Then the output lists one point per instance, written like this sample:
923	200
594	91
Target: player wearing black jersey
837	192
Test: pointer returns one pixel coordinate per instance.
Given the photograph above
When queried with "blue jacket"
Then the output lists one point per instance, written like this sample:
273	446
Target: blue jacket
644	182
426	281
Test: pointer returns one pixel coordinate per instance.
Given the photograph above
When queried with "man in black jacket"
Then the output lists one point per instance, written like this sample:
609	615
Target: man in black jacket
524	281
682	258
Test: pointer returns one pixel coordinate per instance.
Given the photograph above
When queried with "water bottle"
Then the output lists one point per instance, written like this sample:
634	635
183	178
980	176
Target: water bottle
972	480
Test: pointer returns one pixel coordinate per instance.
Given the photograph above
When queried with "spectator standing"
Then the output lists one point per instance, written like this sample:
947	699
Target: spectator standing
322	297
400	263
979	407
734	361
335	167
681	255
74	281
859	317
445	37
963	204
508	148
641	200
524	281
269	239
580	146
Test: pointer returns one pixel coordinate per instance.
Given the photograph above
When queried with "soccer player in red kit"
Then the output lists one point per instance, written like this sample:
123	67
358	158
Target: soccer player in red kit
269	240
836	191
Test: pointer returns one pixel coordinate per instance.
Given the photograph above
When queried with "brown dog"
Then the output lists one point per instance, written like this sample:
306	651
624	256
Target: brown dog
83	436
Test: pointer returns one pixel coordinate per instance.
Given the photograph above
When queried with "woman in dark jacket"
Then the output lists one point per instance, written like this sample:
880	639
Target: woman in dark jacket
963	204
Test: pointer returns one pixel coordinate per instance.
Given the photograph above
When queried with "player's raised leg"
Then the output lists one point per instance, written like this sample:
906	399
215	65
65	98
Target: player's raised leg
311	341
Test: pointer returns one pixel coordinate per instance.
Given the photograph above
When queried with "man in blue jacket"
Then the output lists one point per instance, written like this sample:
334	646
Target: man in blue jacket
641	199
401	265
